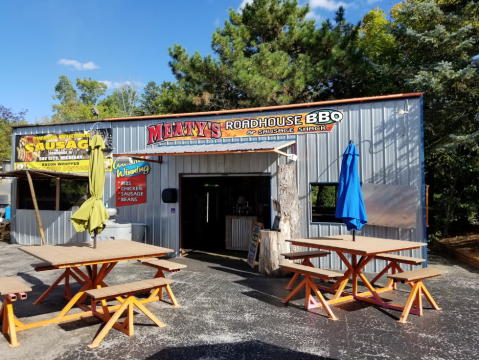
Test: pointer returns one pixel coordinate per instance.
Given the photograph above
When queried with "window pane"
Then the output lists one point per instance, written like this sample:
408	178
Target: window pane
323	203
72	192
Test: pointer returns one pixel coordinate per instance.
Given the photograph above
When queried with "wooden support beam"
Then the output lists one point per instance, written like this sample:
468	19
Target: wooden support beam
57	194
35	205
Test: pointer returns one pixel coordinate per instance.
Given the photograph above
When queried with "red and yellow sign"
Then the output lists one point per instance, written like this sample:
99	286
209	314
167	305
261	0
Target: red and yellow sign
322	120
131	182
60	152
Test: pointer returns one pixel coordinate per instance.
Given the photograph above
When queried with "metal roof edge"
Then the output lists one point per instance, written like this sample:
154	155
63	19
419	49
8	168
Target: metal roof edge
61	123
289	106
219	112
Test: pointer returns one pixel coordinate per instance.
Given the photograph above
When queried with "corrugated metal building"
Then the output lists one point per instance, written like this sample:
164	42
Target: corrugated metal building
390	147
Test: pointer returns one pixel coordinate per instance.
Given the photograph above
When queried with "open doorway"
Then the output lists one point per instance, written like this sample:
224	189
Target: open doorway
208	201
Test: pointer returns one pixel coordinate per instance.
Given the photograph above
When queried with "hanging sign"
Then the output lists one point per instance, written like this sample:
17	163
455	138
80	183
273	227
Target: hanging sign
253	244
131	182
61	151
322	120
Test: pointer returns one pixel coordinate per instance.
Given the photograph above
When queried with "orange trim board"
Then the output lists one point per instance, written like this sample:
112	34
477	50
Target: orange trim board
267	108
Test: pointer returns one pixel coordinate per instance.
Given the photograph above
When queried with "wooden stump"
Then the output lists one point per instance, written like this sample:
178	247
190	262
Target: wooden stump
272	245
289	200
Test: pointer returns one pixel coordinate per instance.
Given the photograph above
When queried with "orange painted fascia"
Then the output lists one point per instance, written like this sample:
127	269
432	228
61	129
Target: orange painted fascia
320	103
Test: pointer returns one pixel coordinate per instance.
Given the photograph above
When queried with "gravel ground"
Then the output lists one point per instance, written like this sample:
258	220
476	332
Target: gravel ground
229	311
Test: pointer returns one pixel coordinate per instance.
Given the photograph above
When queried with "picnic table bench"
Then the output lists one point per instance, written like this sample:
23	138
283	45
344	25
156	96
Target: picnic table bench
308	283
415	278
163	265
305	256
394	261
361	252
129	289
12	289
97	262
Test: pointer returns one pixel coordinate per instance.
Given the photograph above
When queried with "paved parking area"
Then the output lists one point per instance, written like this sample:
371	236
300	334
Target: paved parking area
230	312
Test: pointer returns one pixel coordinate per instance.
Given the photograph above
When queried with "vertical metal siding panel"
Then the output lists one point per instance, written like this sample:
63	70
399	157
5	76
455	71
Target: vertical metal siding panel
302	179
203	163
163	207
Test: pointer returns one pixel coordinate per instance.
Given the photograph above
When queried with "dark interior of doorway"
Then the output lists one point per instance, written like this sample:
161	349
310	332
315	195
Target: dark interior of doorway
205	202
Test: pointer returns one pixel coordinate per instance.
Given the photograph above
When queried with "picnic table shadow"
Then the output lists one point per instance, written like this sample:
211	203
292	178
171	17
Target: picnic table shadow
252	349
272	291
55	302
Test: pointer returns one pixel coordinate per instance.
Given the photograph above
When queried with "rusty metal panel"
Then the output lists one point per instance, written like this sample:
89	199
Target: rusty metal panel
393	206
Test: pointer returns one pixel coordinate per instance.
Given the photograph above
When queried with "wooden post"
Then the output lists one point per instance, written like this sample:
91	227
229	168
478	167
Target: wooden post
57	194
272	245
289	199
35	205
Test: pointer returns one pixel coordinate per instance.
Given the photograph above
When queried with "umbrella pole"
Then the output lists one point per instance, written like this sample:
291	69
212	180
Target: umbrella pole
354	235
94	239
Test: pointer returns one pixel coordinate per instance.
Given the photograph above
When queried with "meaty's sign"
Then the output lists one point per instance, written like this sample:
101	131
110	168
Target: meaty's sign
316	121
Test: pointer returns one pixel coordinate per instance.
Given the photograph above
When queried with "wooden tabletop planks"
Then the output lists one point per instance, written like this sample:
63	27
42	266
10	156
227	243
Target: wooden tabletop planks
11	285
362	246
106	251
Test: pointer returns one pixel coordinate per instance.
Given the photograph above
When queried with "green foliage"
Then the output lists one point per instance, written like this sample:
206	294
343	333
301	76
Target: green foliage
8	118
323	195
427	46
64	90
268	54
123	101
90	90
169	98
76	104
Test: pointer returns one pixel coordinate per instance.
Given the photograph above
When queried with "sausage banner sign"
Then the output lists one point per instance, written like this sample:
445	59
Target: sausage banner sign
61	152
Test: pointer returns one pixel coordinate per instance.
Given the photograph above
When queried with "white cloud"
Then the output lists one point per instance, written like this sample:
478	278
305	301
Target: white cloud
243	4
117	84
217	22
326	4
78	65
312	16
370	2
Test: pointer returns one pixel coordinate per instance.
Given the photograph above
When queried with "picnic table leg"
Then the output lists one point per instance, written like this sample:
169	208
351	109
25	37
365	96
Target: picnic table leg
355	276
170	294
147	313
383	271
306	262
293	280
108	326
429	297
9	319
409	302
50	289
294	292
323	301
67	294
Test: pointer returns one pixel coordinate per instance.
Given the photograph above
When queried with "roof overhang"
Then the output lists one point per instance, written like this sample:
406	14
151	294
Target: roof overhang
42	174
215	149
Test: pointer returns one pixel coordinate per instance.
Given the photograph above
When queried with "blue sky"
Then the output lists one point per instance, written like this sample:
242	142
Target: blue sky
111	41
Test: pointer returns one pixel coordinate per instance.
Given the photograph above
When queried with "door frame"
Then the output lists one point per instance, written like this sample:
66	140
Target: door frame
203	175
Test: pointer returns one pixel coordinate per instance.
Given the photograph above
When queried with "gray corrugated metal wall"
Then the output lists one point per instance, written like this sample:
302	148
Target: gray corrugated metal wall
389	145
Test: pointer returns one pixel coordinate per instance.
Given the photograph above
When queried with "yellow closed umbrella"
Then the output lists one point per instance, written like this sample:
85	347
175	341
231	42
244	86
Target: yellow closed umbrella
92	214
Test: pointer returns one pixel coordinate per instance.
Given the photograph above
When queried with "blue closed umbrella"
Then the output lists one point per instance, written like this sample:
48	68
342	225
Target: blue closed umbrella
350	205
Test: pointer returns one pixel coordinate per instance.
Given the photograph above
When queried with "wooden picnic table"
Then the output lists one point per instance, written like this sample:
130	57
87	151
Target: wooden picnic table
97	262
364	247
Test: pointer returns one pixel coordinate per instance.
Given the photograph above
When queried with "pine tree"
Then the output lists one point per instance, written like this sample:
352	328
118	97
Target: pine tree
268	54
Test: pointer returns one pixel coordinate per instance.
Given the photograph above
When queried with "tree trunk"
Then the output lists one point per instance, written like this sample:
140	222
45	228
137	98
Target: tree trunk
289	200
272	245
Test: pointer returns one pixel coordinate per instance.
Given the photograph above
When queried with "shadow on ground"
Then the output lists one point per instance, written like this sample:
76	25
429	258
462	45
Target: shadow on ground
241	350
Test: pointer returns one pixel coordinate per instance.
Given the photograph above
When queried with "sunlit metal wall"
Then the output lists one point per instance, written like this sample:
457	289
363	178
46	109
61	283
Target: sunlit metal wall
390	153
